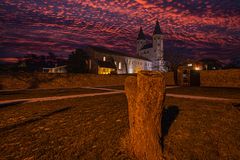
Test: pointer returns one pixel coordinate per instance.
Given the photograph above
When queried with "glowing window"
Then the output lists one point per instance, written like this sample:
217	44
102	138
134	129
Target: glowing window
190	65
104	58
197	68
120	65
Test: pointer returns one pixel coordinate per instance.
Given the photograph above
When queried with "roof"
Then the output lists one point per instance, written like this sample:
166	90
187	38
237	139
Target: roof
110	52
106	64
157	29
147	46
141	35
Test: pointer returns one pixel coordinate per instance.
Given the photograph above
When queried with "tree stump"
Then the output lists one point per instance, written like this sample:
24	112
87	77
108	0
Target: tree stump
145	94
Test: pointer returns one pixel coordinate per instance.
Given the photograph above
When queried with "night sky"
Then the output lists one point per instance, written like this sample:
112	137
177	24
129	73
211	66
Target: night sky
192	28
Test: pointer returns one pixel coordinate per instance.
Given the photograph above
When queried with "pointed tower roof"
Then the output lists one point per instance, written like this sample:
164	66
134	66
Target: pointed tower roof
157	29
141	35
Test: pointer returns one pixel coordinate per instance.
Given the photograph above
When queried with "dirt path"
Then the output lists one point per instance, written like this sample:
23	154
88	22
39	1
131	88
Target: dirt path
200	97
112	91
32	100
87	87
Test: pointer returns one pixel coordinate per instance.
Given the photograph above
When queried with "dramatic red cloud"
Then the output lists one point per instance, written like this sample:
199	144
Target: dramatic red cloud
9	60
203	28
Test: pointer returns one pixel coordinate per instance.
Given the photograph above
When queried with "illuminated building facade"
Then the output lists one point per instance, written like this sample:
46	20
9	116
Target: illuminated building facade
104	61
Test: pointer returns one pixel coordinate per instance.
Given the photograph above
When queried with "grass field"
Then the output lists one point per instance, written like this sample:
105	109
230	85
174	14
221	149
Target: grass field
91	128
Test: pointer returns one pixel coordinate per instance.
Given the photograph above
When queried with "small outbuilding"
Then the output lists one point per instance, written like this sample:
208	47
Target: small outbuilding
57	69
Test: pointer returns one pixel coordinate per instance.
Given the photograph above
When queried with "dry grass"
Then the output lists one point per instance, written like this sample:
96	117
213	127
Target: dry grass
203	130
91	128
48	81
87	128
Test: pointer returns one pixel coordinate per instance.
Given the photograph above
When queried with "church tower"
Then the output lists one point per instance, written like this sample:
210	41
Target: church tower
141	41
158	63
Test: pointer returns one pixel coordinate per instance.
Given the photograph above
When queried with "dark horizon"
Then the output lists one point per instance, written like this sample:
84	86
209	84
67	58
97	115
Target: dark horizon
196	29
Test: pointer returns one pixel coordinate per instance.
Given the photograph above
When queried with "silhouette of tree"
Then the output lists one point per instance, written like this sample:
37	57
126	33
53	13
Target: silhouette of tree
35	63
173	59
211	64
78	62
234	63
34	80
30	63
52	59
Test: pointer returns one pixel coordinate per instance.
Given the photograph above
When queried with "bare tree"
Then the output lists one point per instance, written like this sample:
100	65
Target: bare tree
173	59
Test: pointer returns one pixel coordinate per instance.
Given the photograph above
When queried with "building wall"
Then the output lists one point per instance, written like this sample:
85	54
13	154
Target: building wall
140	44
220	78
118	60
134	65
158	46
210	78
61	69
170	81
146	53
124	64
47	80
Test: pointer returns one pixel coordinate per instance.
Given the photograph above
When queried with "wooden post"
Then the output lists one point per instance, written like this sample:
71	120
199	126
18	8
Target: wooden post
145	94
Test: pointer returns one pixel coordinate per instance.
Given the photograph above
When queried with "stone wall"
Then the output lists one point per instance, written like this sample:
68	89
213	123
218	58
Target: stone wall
170	79
45	80
220	78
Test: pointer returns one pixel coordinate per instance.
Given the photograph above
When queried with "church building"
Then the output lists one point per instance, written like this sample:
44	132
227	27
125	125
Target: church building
152	51
149	56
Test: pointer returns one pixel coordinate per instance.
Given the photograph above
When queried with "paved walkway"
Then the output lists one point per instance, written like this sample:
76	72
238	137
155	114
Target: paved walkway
98	87
112	91
200	97
53	98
